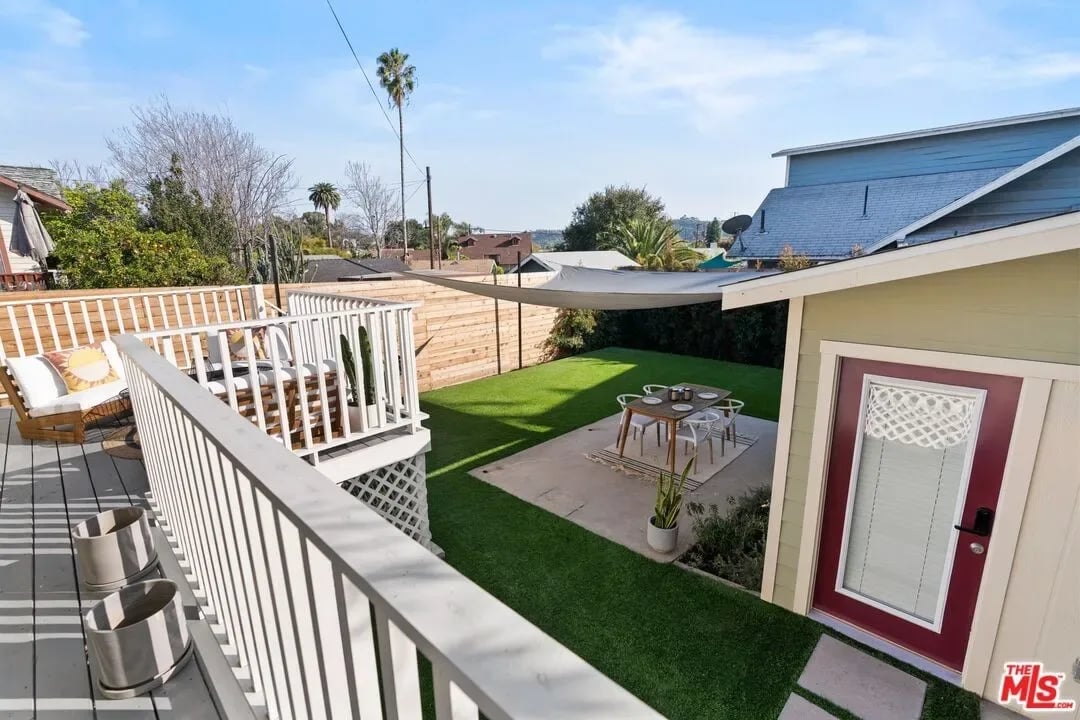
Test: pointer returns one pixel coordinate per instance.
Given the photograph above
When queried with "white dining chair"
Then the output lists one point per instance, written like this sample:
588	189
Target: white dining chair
650	389
696	430
729	410
638	422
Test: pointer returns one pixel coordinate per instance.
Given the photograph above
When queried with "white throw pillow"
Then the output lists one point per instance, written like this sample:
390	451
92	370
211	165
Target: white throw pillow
109	348
37	379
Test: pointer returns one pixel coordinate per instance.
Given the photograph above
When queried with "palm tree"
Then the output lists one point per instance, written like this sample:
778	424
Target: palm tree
398	78
325	197
653	243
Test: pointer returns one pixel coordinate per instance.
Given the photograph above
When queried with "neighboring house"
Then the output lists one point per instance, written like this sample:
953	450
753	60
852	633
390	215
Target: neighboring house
483	267
596	259
503	248
336	269
934	386
44	189
862	196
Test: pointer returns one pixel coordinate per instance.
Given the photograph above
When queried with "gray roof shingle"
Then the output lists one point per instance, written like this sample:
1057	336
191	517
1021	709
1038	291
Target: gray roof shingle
337	268
39	178
826	221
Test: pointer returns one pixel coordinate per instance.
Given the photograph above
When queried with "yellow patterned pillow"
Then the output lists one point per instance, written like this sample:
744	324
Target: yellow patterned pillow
83	368
234	337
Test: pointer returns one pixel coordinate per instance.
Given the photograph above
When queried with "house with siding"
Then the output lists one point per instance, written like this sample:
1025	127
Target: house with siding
925	493
503	248
44	190
863	196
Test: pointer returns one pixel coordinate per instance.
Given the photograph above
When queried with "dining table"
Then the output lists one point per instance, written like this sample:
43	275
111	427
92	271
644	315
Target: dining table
665	412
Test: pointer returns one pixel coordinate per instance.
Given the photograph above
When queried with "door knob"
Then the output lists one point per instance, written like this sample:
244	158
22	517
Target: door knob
977	548
984	523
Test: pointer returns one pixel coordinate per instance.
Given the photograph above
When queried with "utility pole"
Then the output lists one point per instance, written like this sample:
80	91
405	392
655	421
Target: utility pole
431	221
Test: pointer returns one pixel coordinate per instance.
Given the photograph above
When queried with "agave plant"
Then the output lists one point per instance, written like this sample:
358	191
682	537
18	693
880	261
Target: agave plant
669	498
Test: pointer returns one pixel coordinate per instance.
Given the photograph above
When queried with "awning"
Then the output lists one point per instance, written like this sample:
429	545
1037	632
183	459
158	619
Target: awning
592	289
29	237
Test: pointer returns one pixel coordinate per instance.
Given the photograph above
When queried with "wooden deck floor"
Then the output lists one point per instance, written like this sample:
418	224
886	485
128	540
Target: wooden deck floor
45	488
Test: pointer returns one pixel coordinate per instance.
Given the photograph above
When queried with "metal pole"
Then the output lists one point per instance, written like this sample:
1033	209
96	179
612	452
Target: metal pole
520	361
431	221
273	268
498	336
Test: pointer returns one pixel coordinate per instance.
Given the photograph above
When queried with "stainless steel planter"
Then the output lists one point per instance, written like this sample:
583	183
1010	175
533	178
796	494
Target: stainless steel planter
114	548
138	638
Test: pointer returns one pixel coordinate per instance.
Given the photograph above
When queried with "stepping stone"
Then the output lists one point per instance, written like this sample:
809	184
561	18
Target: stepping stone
861	684
799	708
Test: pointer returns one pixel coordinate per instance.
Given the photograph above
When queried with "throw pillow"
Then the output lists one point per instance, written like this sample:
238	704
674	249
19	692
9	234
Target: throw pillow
83	367
234	337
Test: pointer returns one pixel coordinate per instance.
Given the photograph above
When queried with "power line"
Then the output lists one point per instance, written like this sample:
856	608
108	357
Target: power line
371	87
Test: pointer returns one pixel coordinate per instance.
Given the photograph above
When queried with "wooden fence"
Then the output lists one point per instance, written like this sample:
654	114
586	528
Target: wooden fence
454	330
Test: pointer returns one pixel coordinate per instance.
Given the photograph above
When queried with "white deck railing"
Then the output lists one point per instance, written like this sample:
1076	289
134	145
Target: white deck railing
289	374
31	327
326	604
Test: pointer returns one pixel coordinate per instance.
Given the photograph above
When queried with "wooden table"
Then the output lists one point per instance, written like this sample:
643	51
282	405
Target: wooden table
664	412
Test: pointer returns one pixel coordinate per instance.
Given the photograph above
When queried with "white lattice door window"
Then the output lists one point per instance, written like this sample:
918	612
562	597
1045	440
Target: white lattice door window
909	480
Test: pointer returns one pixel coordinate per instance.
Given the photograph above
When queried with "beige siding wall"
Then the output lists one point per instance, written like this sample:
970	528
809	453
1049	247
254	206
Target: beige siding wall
1027	309
1041	616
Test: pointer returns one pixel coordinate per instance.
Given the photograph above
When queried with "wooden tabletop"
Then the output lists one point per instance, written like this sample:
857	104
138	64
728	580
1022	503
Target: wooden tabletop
664	410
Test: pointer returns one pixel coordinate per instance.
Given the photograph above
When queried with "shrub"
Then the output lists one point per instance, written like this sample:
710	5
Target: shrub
569	333
732	544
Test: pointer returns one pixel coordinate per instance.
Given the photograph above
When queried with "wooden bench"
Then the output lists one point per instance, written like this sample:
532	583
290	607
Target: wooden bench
49	427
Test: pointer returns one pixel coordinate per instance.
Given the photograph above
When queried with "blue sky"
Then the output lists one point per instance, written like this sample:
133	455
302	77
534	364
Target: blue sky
524	108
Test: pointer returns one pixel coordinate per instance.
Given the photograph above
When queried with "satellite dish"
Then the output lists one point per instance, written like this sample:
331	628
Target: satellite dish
735	226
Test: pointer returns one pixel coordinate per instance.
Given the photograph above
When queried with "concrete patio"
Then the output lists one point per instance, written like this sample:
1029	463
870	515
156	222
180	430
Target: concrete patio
558	477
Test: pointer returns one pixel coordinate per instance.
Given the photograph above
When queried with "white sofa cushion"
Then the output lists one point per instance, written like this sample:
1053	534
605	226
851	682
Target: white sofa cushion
82	400
109	348
37	379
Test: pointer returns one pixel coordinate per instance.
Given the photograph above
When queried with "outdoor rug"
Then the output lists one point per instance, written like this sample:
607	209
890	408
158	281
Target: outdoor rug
123	443
655	458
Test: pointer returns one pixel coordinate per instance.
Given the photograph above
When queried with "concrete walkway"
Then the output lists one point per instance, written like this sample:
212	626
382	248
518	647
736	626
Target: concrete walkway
557	476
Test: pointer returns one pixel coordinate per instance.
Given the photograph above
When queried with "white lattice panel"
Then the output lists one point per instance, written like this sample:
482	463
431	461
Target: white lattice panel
398	492
913	416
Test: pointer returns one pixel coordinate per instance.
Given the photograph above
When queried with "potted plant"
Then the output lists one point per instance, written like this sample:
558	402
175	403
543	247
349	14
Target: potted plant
352	382
662	531
138	638
114	548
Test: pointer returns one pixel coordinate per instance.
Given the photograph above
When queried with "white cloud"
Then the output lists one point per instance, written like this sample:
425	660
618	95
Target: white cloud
645	61
59	26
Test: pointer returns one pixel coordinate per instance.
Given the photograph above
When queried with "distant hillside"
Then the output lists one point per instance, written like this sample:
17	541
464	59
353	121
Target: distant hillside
546	239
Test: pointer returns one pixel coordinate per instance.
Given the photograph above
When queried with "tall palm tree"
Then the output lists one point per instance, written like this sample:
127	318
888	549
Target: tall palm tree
325	197
653	243
398	78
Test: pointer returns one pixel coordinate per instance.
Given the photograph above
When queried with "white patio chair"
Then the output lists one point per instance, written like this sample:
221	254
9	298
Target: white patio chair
637	422
729	410
650	389
698	429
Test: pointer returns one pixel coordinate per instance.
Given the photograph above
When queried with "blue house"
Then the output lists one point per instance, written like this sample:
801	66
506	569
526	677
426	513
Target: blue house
863	196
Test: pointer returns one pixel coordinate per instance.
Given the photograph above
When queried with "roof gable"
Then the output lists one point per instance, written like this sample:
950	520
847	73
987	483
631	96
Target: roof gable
40	184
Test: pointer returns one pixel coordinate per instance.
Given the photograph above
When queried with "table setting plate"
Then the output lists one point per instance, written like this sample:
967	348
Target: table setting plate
651	400
707	395
682	407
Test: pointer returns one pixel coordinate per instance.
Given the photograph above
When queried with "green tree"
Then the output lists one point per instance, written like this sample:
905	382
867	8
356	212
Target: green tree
603	211
712	233
398	78
324	196
414	229
314	224
173	206
653	243
100	245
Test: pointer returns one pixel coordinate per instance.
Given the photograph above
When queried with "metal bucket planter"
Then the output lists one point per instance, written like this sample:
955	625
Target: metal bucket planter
114	548
138	638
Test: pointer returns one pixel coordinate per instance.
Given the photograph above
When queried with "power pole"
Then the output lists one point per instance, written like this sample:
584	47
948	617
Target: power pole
430	221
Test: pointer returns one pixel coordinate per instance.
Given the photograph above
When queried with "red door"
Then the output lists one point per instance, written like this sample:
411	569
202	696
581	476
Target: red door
915	452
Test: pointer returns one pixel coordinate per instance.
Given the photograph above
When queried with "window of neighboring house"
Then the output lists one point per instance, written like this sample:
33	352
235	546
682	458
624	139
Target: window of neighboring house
494	256
515	240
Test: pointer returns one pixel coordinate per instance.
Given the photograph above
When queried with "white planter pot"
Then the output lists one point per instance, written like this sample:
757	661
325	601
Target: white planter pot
659	539
138	638
114	548
372	416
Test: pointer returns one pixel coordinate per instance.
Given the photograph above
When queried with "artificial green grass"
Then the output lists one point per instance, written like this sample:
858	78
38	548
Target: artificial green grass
688	646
